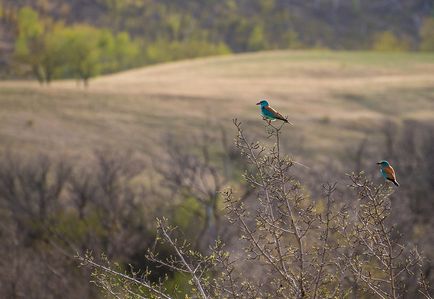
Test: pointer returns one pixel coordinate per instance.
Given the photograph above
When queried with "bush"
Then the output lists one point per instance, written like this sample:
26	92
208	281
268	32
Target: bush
389	42
164	50
426	33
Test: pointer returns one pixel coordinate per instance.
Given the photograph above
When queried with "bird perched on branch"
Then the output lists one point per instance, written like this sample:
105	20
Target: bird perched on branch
269	113
387	172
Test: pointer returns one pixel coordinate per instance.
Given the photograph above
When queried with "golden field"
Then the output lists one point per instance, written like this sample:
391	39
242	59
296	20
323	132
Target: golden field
334	99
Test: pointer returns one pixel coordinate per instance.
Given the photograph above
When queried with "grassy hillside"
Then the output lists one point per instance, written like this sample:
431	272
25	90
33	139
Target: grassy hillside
334	99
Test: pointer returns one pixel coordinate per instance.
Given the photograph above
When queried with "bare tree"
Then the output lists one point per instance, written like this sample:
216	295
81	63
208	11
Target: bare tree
31	190
51	210
200	171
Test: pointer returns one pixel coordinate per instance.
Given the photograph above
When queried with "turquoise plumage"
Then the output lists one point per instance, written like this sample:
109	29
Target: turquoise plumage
388	172
269	113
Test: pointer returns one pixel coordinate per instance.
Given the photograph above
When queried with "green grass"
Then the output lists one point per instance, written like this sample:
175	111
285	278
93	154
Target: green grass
334	98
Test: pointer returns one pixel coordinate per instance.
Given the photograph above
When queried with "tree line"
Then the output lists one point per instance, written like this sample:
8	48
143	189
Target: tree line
56	39
53	50
50	49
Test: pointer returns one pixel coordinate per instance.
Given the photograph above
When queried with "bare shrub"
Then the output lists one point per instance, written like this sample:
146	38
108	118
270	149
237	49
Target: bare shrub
51	209
200	171
293	247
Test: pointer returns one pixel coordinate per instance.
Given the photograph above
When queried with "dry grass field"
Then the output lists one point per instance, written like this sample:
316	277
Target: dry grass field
334	99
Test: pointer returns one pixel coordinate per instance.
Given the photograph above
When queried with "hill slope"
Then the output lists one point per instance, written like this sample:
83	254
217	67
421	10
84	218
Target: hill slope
333	98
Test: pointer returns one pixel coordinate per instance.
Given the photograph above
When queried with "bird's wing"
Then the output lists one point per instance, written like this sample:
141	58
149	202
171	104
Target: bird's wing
274	113
390	172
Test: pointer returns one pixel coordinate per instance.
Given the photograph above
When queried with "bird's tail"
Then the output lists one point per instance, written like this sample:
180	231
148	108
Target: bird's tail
281	118
395	182
286	120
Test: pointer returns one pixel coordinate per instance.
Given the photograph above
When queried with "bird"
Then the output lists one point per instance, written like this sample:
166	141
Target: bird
388	172
269	113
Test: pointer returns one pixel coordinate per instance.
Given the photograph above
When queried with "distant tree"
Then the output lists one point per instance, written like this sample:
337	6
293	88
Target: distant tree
115	9
118	51
290	40
238	32
257	39
29	25
41	44
389	42
83	54
29	41
426	33
164	50
107	44
126	51
53	48
267	5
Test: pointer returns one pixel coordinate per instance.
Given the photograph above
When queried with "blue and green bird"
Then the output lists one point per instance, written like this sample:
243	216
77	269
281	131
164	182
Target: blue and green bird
387	171
269	113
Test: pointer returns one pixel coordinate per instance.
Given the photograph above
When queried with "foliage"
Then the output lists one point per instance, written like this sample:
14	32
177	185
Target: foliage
54	50
388	42
29	24
427	35
138	33
83	52
256	39
28	45
163	50
135	33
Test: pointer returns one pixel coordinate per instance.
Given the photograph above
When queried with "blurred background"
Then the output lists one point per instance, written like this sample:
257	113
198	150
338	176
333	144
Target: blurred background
111	112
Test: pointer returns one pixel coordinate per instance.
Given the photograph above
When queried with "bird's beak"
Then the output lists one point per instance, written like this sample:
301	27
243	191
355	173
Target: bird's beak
259	103
378	163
